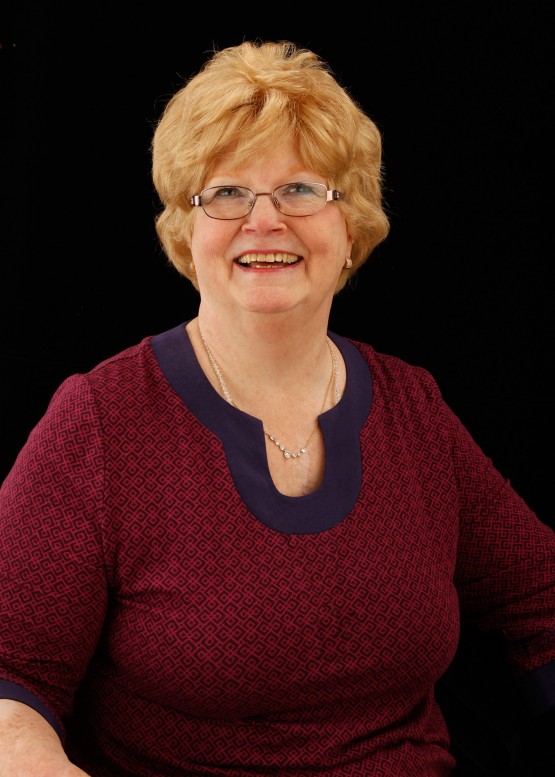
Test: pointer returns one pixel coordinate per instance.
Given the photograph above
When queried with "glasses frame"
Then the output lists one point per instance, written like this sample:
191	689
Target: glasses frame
331	195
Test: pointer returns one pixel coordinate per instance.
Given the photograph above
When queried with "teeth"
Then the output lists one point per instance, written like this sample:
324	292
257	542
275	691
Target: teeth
271	258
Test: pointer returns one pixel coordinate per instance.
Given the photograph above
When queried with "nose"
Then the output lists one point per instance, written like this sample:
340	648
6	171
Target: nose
265	194
264	213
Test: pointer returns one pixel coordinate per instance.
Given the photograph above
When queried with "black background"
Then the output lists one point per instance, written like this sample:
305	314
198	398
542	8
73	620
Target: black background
462	286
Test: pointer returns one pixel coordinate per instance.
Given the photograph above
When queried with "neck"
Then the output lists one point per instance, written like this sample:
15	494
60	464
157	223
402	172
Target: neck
277	348
331	387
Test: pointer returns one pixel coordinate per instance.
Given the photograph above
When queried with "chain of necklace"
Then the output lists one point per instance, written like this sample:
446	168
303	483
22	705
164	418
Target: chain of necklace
334	378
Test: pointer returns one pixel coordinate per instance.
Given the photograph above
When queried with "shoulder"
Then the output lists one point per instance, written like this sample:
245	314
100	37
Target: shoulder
123	377
128	362
391	373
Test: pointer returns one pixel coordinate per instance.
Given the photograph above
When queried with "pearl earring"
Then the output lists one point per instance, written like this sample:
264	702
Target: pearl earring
348	262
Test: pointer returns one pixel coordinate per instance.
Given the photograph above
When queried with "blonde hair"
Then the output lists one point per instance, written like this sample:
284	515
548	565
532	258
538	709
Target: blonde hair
245	97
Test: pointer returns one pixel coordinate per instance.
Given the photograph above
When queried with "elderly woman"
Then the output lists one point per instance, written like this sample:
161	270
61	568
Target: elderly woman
244	546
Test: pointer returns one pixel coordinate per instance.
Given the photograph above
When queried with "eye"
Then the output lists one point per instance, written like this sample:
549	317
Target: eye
221	192
298	187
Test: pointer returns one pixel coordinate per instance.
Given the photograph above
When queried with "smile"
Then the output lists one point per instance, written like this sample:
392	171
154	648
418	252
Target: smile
265	260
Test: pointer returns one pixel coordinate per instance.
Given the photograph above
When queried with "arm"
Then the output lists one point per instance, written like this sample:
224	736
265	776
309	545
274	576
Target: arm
53	590
505	563
505	580
29	745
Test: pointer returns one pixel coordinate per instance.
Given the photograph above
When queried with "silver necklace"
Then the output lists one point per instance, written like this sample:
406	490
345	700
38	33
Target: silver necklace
334	378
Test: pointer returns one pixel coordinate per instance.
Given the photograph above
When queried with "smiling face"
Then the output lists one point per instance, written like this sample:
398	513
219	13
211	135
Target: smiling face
267	262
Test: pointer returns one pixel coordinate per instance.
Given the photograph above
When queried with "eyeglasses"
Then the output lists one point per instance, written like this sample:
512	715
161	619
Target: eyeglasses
291	199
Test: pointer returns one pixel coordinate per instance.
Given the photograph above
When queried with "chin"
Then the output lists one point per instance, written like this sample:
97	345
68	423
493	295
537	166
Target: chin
270	302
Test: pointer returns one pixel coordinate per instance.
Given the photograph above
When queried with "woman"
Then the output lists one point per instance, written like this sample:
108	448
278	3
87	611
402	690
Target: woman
244	546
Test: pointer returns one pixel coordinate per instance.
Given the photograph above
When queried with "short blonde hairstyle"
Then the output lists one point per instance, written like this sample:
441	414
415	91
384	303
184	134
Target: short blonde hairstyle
245	97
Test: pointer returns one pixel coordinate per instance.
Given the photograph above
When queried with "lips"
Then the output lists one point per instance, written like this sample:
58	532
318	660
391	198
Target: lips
268	261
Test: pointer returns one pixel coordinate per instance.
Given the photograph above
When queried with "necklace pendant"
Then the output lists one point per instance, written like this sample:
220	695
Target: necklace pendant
289	455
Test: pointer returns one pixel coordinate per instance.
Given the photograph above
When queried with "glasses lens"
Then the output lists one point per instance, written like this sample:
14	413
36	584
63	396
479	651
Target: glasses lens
301	199
227	202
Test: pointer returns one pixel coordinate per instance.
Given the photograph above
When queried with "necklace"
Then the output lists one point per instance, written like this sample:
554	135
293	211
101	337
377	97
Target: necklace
334	378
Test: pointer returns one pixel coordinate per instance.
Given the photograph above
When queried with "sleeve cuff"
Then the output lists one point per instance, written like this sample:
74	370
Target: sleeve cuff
9	690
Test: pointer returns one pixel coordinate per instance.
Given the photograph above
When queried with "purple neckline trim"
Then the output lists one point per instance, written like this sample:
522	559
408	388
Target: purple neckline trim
242	437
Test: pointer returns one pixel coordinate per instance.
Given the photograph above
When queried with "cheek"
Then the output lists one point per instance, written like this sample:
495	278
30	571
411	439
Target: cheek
333	241
197	240
210	237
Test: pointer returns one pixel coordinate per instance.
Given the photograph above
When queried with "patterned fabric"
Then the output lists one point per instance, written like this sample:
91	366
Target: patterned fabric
168	629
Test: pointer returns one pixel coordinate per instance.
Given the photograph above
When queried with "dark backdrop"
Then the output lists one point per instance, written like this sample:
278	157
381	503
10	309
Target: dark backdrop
463	284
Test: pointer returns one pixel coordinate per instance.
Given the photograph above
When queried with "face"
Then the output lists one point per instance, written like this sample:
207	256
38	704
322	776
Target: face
314	246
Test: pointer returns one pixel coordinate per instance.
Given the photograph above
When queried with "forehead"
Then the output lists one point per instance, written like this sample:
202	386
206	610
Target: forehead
282	161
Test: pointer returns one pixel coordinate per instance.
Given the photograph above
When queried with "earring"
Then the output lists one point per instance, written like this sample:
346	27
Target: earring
348	262
192	268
